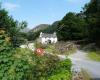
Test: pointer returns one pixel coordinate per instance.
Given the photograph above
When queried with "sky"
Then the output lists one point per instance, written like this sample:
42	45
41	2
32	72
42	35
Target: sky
36	12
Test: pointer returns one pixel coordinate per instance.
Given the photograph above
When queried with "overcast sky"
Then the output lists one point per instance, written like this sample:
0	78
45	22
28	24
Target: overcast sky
37	12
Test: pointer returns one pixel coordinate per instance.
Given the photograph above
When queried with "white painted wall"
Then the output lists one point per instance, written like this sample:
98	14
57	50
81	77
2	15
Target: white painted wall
55	40
45	40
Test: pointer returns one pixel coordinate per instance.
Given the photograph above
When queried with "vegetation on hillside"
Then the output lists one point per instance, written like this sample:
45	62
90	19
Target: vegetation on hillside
78	26
34	33
83	25
72	27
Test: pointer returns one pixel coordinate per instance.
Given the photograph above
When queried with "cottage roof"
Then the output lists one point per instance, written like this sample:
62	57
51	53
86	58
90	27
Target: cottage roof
46	35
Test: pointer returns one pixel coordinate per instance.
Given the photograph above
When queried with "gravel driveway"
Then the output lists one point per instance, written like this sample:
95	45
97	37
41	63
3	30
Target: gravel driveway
92	67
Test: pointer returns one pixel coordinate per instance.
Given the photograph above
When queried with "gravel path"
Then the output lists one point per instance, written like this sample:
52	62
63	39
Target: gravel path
92	67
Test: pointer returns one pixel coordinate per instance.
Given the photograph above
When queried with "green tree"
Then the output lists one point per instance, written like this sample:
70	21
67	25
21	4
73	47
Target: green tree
92	12
72	27
11	26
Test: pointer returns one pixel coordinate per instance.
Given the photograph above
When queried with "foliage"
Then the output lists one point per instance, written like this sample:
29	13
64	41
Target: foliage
14	65
64	75
12	27
34	33
51	66
79	26
5	55
64	72
94	55
68	48
83	25
92	12
52	28
40	45
71	27
43	67
23	64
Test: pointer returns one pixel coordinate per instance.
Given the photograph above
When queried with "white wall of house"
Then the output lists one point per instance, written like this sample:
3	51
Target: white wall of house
45	40
55	40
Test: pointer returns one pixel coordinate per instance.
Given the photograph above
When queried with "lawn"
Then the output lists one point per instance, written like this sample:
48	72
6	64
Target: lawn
95	55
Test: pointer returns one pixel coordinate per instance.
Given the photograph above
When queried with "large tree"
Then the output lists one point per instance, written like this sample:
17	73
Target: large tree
92	12
11	26
71	27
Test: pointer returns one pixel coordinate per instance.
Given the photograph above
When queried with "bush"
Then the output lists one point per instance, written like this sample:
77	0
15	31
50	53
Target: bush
64	75
23	64
14	63
40	45
61	48
63	71
48	66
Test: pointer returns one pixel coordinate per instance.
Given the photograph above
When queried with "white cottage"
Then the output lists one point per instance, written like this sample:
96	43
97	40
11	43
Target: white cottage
48	38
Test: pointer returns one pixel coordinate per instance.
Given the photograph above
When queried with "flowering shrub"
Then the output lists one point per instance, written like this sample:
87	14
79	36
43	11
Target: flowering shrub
23	64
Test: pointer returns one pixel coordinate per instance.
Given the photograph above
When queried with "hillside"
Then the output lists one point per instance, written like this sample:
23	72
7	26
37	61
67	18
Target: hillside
52	28
40	27
25	30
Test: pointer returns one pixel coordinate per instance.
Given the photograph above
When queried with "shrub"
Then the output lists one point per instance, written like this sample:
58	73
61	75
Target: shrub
61	48
64	75
48	66
23	64
40	45
14	63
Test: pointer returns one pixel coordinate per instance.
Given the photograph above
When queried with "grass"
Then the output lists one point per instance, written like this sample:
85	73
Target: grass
94	55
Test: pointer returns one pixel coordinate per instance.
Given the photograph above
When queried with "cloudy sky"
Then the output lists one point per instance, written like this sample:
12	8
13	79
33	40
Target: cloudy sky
41	11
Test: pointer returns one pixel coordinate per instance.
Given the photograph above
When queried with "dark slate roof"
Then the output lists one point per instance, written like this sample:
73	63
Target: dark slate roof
48	35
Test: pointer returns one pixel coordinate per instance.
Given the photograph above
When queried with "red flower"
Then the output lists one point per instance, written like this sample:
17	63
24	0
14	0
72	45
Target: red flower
40	51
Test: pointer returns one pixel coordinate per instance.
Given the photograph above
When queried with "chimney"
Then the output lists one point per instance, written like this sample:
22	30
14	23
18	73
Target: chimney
41	34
